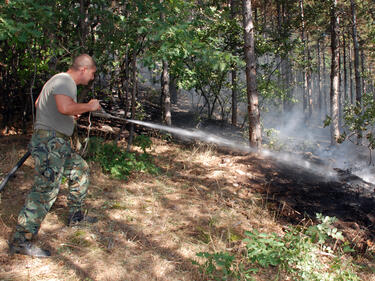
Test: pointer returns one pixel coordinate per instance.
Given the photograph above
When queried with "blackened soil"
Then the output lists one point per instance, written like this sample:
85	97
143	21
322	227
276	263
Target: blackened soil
296	194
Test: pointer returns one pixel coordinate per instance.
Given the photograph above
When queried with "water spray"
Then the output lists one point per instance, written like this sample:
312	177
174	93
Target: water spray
326	172
323	171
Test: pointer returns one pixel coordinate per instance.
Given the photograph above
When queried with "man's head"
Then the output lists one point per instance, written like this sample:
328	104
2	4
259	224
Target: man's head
83	69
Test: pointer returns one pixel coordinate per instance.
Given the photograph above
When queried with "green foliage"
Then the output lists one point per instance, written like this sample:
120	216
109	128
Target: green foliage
272	140
298	254
321	232
200	47
220	266
20	21
143	142
360	120
118	163
327	121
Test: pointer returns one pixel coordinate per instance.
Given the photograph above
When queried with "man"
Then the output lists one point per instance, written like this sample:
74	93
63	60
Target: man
56	109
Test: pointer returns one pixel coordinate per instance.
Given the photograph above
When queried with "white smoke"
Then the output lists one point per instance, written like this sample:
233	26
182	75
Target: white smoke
313	140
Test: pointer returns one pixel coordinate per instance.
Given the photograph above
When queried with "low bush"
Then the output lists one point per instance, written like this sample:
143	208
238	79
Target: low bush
119	163
302	253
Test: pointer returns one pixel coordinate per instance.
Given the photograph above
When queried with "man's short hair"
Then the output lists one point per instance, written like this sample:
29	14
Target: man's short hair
83	60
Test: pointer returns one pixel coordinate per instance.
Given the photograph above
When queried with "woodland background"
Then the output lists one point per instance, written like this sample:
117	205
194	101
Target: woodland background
314	57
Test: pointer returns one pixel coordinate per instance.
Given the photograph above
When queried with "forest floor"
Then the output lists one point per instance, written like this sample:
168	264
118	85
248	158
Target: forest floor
152	226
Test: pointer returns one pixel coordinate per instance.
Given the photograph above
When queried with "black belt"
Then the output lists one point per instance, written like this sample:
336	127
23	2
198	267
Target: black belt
50	133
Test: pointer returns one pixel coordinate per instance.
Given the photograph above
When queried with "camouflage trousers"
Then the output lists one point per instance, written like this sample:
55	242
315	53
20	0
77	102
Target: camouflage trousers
54	158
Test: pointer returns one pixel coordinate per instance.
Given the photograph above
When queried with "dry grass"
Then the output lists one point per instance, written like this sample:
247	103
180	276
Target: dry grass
150	227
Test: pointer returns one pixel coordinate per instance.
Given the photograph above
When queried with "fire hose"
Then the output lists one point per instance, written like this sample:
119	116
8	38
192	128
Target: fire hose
14	169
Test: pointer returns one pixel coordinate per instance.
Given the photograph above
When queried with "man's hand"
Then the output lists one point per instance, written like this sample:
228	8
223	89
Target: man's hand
67	106
94	105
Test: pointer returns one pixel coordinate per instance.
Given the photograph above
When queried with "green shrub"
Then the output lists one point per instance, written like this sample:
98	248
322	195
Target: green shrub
298	254
119	163
221	266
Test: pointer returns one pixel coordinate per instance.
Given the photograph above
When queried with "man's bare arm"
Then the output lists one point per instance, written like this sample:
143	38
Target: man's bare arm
67	106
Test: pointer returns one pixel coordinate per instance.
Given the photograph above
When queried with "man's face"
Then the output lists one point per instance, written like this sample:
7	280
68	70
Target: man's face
88	74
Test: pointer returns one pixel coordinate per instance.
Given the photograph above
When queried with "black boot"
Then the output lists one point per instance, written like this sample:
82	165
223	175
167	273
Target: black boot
29	249
80	217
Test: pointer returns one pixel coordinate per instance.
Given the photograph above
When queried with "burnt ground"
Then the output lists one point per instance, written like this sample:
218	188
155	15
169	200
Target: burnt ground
296	194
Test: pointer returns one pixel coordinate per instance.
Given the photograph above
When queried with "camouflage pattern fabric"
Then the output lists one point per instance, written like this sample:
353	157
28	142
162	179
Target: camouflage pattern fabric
54	158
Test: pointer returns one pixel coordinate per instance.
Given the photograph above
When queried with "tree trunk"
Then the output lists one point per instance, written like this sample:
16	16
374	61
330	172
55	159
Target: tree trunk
173	89
363	71
358	92
125	85
255	136
356	55
346	98
134	93
351	83
234	71
319	80
340	85
165	93
309	82
324	82
334	93
166	111
304	92
234	96
83	24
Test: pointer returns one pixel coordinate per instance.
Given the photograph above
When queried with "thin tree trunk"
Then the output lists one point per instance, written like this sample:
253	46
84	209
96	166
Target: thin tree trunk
134	93
166	95
288	80
351	83
363	71
173	89
287	66
125	85
309	84
334	93
324	82
358	92
319	80
234	96
356	54
234	71
83	23
346	98
340	86
281	67
304	92
255	136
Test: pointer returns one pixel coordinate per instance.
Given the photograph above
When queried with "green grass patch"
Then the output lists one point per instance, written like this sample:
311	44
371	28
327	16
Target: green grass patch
119	163
78	238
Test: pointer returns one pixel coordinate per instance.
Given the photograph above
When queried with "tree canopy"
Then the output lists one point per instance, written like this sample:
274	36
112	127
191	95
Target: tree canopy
202	42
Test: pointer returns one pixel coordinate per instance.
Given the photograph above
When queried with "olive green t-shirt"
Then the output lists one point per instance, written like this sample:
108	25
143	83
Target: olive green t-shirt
47	115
